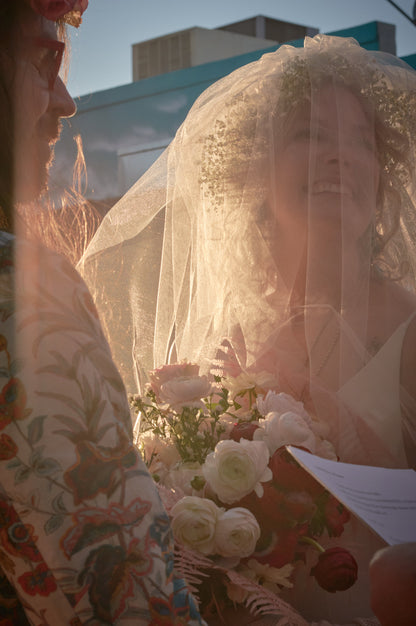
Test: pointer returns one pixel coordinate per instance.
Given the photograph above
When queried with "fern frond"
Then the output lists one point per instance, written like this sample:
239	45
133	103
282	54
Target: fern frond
262	601
191	566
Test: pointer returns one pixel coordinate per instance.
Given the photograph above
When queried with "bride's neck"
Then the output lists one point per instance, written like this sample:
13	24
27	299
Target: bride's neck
327	273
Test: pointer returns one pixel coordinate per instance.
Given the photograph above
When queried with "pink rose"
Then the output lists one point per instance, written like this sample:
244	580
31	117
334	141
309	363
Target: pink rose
166	373
180	385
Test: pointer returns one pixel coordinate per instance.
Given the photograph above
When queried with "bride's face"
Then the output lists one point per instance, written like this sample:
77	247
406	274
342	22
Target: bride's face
326	166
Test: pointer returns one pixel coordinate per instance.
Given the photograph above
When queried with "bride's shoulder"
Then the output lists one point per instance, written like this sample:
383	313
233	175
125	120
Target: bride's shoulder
400	308
391	303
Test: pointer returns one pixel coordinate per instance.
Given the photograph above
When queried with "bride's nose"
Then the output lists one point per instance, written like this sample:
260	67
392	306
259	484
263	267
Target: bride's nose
335	149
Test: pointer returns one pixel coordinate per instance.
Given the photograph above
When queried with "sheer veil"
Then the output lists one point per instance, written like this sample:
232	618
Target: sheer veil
280	225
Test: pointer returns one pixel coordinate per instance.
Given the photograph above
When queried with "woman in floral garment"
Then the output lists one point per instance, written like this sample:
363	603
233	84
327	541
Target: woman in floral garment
83	535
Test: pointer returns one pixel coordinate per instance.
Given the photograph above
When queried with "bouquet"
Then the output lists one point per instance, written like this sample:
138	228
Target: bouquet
244	513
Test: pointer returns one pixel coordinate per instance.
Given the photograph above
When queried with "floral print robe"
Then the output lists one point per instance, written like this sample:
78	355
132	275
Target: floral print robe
84	538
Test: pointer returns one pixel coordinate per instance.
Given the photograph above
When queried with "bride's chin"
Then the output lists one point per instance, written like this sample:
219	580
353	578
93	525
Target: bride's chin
336	210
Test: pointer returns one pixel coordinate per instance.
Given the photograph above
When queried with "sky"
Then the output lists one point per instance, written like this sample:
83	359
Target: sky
101	47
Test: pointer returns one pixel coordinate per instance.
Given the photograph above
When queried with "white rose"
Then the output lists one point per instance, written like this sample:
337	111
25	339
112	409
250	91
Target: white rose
193	523
235	469
237	533
287	429
280	403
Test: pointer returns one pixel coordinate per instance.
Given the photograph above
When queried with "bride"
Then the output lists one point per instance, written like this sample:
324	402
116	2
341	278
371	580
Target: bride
277	234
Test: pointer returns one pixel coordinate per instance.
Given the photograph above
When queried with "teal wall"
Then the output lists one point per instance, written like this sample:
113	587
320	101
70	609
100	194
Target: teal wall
125	128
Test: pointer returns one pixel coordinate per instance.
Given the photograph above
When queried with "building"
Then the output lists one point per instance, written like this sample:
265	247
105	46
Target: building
196	46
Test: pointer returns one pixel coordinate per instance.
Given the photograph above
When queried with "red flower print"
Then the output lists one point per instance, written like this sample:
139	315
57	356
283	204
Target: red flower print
93	472
3	343
13	402
39	581
8	448
161	612
112	574
177	609
94	525
17	538
336	570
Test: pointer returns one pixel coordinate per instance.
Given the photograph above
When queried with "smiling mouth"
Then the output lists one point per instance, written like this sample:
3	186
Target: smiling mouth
331	187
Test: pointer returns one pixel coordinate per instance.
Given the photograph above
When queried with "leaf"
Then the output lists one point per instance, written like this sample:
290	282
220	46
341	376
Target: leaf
69	434
74	425
262	601
52	369
190	566
46	467
35	430
53	524
102	431
16	366
70	402
90	534
22	475
16	462
58	503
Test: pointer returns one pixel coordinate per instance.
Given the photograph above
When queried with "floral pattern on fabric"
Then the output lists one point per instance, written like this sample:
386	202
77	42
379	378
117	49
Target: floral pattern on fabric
83	535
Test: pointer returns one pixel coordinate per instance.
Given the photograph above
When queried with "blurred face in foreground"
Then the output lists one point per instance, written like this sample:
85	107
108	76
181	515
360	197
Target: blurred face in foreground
40	100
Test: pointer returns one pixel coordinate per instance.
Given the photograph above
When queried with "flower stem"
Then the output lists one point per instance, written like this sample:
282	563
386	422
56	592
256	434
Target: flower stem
312	543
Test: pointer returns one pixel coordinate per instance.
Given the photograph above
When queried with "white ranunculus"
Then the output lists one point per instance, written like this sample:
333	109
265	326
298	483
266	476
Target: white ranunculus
280	403
237	533
235	469
287	429
194	522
